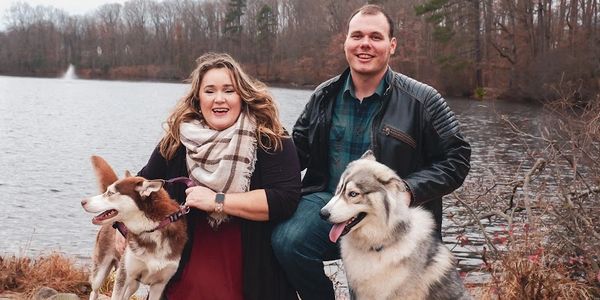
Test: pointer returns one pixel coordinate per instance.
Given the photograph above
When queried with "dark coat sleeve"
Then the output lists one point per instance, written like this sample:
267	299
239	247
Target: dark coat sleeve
279	175
301	133
156	167
446	149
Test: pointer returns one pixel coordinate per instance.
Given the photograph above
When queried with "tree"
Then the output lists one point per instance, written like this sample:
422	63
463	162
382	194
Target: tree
456	26
266	24
233	23
109	19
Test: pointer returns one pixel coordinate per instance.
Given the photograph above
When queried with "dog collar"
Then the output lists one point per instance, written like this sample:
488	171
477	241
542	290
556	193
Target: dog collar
183	210
121	228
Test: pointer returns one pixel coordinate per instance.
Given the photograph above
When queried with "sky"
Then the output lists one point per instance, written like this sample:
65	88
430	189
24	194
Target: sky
73	7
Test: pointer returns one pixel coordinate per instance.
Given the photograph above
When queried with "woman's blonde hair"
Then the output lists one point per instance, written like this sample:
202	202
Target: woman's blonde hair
256	101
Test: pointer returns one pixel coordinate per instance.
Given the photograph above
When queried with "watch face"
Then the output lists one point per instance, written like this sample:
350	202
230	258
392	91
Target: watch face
220	198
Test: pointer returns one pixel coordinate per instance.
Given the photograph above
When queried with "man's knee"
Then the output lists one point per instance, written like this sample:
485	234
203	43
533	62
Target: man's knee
286	240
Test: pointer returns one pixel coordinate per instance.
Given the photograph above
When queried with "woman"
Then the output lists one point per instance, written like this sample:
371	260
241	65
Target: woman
225	134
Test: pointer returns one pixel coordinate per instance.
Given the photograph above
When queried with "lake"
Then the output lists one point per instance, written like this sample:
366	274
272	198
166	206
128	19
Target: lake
50	127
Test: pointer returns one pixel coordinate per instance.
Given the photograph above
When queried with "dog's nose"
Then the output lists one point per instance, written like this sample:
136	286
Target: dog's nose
324	214
83	202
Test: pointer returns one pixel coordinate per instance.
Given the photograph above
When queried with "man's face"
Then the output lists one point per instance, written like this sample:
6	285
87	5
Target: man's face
368	46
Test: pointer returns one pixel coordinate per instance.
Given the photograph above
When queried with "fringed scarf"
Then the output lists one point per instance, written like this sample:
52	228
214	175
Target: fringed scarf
222	161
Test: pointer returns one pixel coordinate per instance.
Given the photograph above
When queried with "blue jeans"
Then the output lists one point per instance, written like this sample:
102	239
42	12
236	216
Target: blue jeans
302	243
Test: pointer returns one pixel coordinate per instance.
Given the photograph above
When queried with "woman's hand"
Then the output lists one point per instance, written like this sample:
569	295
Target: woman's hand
200	197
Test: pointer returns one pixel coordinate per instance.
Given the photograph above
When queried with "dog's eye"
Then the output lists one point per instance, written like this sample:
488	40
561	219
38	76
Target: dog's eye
353	194
109	193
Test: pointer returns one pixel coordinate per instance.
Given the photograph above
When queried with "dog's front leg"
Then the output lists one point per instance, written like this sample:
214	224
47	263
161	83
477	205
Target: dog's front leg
119	285
156	290
99	273
131	286
125	283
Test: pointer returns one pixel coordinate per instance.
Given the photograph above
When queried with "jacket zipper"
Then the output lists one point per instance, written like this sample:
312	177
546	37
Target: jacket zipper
399	135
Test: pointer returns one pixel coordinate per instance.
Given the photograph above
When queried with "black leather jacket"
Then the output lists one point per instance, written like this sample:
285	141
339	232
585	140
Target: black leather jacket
415	133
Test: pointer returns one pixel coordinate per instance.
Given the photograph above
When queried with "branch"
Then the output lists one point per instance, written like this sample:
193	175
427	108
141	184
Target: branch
503	54
576	195
478	220
522	133
539	165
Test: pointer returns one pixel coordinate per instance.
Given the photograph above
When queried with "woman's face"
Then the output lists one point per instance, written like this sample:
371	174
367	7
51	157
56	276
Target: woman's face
220	104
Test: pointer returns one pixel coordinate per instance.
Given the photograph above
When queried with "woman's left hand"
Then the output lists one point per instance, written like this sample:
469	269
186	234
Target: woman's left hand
200	197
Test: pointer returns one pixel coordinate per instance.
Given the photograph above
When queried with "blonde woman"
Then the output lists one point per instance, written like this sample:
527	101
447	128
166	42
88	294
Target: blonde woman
226	136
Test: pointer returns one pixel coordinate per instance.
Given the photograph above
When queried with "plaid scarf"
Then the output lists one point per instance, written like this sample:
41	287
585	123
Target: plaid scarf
222	161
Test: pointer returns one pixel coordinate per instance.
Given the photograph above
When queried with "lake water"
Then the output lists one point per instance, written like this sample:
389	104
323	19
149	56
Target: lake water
50	127
48	130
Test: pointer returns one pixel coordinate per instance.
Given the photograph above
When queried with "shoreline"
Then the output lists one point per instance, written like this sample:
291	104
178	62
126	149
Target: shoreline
86	75
71	279
274	84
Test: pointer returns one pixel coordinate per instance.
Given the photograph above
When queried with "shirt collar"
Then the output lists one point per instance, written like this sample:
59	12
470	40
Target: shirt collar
349	87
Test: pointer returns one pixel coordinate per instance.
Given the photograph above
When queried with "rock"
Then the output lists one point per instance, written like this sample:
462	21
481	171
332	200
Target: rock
8	295
44	293
64	296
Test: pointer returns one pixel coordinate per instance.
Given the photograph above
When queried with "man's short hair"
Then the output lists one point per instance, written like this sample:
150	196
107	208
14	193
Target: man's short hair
372	9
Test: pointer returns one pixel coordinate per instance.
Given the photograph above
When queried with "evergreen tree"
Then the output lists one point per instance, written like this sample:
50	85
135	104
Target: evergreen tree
266	24
456	27
233	23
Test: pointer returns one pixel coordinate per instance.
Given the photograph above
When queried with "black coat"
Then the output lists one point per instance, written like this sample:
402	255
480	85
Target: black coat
279	174
414	133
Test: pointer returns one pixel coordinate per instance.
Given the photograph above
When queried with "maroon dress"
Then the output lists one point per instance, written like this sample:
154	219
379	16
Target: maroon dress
214	270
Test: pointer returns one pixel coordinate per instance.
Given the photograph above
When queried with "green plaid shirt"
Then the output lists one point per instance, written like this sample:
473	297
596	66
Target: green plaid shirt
350	133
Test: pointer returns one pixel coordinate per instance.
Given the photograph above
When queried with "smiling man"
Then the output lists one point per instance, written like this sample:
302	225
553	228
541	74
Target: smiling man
407	124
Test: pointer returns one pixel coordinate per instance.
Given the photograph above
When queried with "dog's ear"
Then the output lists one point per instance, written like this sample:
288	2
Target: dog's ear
148	187
397	187
127	174
368	155
104	173
396	184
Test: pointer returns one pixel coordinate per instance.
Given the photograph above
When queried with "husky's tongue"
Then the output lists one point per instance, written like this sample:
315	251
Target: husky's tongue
336	231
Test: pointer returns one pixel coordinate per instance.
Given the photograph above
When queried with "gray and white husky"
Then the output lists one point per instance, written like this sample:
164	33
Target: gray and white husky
389	251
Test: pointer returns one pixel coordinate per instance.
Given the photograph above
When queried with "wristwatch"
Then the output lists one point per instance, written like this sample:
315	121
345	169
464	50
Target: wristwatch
219	202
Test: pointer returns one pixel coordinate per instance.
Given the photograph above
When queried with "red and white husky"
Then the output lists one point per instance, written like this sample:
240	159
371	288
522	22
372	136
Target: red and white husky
154	244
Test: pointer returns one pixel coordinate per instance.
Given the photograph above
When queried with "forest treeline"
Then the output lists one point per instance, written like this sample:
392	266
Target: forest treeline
524	49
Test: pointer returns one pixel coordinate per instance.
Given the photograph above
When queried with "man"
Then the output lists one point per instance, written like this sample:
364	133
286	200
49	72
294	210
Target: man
407	124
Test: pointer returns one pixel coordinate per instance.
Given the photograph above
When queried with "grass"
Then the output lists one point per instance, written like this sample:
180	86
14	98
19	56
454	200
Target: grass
23	276
529	270
26	275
